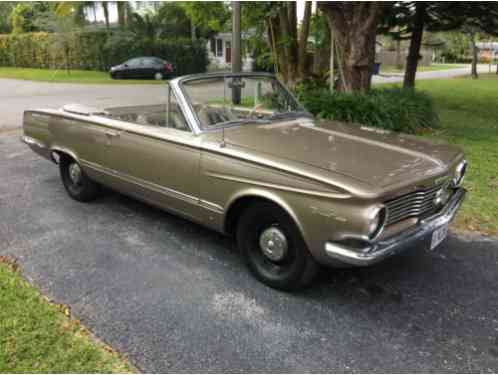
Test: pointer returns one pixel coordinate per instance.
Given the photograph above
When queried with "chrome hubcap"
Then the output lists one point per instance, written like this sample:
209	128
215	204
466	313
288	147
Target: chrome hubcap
273	244
75	173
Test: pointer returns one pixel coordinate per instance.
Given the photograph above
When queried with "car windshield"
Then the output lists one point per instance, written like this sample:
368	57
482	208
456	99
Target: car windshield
234	100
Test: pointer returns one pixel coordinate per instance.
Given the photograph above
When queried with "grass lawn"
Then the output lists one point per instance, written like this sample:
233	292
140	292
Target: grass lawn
37	336
430	68
468	111
75	76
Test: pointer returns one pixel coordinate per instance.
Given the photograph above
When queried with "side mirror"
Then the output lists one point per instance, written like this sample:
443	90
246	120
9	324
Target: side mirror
125	65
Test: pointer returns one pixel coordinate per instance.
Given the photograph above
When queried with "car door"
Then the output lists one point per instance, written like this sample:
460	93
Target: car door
149	67
158	164
133	69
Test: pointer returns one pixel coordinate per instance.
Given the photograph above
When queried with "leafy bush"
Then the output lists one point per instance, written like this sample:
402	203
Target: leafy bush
98	50
394	109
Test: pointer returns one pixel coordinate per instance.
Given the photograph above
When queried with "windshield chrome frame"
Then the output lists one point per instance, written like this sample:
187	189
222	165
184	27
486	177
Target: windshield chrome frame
189	112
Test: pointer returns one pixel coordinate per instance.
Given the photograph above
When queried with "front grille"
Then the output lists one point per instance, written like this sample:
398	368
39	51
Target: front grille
415	204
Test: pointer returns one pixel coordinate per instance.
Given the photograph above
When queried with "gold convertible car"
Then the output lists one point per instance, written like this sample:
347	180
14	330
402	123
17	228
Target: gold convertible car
237	153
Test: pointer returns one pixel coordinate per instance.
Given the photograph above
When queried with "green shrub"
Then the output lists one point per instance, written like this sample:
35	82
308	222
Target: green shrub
98	50
394	109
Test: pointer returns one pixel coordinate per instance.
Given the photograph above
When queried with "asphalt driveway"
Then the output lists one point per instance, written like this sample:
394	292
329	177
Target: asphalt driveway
176	297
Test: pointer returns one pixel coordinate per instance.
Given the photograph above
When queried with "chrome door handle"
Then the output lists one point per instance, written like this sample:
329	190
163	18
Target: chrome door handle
111	134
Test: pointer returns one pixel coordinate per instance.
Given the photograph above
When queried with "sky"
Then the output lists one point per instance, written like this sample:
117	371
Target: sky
300	9
113	14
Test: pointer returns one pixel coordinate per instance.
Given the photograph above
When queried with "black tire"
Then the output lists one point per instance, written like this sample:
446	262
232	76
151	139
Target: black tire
84	190
296	269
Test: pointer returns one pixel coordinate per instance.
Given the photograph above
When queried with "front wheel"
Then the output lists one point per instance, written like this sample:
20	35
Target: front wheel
273	248
78	185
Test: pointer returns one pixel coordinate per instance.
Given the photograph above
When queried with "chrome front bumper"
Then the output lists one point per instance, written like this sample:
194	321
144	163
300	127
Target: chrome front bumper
377	251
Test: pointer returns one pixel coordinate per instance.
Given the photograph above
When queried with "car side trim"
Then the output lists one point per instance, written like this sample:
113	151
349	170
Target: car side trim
275	186
142	183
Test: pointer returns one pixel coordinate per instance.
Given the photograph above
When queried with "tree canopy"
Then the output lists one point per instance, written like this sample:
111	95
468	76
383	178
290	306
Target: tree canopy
409	20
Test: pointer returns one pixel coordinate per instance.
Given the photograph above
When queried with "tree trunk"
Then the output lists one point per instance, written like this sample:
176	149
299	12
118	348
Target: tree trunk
475	51
105	7
94	12
289	53
332	59
121	14
399	64
303	42
193	33
286	17
279	55
67	58
321	57
355	27
415	44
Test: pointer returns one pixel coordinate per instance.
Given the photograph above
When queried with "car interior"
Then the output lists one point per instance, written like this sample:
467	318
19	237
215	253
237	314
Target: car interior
150	115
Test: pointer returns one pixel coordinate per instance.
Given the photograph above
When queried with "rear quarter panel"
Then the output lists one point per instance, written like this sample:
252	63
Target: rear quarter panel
37	130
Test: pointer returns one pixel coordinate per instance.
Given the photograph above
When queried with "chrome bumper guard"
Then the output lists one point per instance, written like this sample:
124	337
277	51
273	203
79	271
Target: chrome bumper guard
377	251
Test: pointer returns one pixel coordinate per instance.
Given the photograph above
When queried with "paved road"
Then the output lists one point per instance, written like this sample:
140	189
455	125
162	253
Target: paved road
18	95
437	74
175	297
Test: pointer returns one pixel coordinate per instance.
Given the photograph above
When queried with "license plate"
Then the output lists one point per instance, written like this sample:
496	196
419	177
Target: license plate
438	236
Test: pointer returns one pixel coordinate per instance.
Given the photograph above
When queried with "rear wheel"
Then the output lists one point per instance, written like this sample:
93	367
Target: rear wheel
78	185
273	248
158	76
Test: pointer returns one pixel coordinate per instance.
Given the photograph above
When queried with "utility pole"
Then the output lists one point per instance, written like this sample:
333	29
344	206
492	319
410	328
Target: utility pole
236	53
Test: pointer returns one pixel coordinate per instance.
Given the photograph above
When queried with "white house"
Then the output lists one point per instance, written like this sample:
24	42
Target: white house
220	53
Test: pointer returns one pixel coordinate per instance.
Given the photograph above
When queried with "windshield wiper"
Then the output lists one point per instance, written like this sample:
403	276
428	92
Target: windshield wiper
242	122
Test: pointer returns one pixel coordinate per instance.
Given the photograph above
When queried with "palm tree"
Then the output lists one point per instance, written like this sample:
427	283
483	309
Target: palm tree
105	7
123	11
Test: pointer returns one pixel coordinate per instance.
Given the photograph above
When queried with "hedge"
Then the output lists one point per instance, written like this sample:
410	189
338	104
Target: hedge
396	109
97	51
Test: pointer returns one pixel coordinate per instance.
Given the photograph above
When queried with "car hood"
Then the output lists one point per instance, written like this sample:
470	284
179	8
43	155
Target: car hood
373	156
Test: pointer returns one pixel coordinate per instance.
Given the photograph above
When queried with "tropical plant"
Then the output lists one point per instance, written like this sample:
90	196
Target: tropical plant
396	109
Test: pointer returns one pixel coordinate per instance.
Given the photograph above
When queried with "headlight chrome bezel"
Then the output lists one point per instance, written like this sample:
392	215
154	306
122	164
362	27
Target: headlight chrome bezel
376	222
459	174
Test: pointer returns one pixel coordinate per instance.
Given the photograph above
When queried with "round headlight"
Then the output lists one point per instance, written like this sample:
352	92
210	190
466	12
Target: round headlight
459	173
442	196
372	226
376	222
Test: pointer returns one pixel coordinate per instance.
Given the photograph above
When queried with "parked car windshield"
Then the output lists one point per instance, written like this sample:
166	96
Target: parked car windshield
235	100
